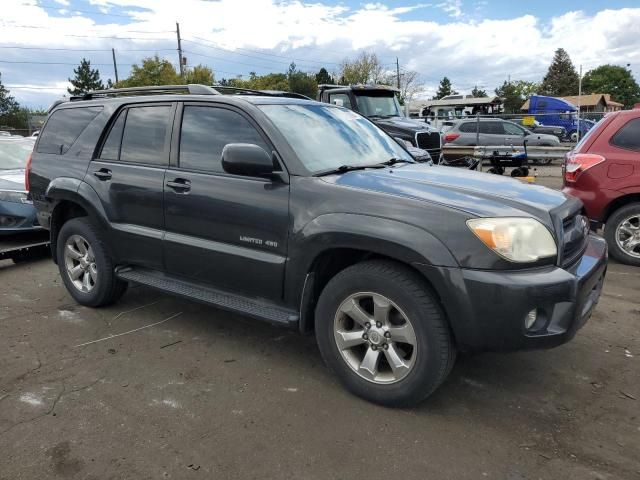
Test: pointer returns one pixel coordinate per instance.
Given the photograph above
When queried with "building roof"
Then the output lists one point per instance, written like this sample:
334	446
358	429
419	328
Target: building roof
590	100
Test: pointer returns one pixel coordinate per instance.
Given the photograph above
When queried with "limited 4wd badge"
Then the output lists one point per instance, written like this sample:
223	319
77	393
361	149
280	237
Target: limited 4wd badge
258	241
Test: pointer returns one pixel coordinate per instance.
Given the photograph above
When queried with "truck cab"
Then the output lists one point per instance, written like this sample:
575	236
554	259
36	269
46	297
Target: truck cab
552	111
379	103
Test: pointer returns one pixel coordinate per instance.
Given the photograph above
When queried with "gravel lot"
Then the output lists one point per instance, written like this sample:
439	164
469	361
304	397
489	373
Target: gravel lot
207	394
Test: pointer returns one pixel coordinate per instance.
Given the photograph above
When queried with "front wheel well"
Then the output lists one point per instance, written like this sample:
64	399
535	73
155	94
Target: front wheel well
62	213
619	203
331	262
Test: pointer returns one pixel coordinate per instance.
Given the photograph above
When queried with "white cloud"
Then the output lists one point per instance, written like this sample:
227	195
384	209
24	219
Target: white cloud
481	52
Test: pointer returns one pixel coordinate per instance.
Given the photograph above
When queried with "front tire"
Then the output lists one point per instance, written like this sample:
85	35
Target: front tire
622	232
381	330
86	267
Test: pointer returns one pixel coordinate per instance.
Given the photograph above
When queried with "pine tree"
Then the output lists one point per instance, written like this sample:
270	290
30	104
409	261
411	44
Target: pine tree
561	78
8	104
478	92
444	89
323	77
86	79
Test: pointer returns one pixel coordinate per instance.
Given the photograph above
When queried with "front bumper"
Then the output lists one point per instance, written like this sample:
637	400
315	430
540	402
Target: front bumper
487	309
17	218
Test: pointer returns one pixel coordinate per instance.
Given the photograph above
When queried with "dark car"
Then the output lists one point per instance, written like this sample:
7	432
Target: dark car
17	213
538	127
308	215
604	172
380	105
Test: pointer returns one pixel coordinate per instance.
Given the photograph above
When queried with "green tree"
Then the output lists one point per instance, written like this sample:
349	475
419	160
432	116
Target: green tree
561	78
525	89
153	71
199	74
8	104
86	79
444	89
366	68
511	99
300	82
323	77
615	80
478	93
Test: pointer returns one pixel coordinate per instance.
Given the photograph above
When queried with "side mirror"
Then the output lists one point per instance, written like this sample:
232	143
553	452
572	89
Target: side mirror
246	159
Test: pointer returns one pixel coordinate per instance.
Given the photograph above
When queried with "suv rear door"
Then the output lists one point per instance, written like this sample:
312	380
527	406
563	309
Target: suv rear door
226	230
128	175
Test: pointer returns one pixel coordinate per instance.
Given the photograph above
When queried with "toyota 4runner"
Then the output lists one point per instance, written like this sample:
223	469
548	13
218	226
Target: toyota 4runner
308	215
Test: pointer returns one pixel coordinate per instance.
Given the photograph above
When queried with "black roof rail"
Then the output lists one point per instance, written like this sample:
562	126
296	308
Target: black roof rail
225	90
194	89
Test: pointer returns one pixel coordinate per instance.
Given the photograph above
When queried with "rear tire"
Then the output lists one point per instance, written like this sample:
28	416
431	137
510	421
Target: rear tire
85	265
622	232
411	325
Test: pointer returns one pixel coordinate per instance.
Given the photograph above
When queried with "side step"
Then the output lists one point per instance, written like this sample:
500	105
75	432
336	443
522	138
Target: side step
236	303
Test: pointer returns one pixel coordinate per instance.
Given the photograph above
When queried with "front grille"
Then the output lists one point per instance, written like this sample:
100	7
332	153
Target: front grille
431	142
575	231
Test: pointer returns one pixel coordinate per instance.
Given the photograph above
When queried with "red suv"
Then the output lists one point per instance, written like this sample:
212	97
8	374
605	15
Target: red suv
604	172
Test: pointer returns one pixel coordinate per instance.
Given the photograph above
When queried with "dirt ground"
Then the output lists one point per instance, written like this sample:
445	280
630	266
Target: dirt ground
206	394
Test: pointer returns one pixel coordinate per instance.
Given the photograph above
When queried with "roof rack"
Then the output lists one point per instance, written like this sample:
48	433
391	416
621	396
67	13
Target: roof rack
225	90
194	89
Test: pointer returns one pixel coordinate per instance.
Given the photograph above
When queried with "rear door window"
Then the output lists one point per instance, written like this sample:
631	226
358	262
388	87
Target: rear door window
628	137
111	147
469	127
64	127
206	131
145	138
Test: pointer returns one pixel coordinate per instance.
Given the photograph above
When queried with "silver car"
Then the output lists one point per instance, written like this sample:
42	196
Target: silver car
494	132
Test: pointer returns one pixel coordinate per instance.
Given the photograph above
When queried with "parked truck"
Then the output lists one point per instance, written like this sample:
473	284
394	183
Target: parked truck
556	112
379	104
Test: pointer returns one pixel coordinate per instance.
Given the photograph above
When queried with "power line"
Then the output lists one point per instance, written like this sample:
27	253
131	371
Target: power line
75	10
29	62
87	49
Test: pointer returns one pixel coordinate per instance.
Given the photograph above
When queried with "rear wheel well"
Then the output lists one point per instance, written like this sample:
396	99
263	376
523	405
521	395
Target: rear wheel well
619	203
62	213
328	264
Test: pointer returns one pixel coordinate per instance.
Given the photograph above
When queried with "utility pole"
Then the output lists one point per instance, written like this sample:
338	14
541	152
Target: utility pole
115	67
579	100
179	50
398	72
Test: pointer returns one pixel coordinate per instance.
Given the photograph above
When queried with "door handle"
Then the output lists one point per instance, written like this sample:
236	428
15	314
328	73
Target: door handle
103	174
181	185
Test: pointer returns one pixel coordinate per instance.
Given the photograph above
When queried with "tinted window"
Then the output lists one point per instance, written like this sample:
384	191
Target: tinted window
628	136
468	127
145	133
64	127
343	100
111	147
492	128
206	131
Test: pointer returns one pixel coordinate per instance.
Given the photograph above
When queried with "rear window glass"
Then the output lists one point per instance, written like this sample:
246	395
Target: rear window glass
64	127
628	136
468	127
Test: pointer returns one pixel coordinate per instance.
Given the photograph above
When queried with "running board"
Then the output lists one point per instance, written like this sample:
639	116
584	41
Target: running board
236	303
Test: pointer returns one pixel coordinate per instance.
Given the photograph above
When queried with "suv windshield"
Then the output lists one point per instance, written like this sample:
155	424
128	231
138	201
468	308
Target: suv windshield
14	154
326	137
371	105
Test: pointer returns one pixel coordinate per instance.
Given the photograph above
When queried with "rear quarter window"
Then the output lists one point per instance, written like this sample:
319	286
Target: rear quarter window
64	127
628	137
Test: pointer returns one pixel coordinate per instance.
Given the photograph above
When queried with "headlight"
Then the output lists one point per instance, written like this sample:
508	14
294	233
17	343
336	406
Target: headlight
516	239
13	196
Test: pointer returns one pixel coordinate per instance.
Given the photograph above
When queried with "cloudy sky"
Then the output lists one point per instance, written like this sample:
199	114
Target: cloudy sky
473	42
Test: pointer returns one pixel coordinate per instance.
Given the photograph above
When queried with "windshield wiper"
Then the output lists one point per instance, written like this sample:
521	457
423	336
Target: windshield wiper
348	168
393	161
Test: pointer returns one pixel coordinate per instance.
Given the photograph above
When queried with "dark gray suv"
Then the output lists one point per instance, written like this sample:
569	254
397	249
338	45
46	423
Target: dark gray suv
309	216
494	132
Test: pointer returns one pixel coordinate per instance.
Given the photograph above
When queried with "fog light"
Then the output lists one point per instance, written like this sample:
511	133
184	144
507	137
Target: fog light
7	221
530	319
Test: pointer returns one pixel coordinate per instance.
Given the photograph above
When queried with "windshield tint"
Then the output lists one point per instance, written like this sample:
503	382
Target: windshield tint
378	105
14	154
326	137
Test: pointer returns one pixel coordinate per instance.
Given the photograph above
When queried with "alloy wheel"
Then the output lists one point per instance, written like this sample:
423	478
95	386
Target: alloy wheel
80	263
628	235
375	338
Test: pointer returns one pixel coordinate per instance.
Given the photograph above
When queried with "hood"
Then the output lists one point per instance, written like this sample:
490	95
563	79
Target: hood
402	124
478	194
12	180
